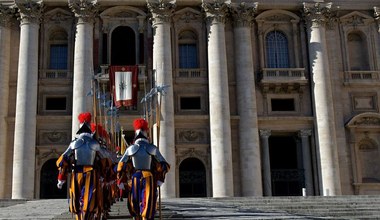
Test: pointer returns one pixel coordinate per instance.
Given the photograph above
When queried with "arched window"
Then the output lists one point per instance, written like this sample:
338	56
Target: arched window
277	50
357	51
188	51
58	50
123	46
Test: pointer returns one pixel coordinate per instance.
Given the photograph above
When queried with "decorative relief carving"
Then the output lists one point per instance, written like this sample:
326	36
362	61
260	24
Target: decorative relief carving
191	136
279	18
304	133
368	121
265	133
188	17
161	10
6	13
216	11
58	17
83	9
243	14
54	137
29	11
319	14
367	143
193	153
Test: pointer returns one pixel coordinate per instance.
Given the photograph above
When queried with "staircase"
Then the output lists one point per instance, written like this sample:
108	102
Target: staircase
316	207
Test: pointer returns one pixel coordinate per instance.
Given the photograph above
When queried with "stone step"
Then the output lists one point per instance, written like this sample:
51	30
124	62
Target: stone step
336	208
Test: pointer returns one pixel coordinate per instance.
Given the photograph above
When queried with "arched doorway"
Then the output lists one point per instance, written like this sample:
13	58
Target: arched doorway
48	182
286	173
192	178
123	46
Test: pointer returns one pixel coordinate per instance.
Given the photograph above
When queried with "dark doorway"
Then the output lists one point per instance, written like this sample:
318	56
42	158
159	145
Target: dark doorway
287	178
48	182
123	46
192	178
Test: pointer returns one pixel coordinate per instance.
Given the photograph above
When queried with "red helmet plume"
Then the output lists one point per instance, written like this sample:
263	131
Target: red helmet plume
140	124
84	117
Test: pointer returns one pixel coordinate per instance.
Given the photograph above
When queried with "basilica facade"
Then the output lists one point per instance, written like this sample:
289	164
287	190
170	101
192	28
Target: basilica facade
266	98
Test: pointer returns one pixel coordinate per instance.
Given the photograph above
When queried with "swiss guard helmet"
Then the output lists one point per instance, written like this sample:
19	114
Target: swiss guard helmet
85	122
141	128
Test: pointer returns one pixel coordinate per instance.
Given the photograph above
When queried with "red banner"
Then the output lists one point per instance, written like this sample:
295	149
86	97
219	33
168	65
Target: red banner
124	85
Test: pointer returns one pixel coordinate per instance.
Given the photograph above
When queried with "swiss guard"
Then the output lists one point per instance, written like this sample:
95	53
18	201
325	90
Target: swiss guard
145	169
83	159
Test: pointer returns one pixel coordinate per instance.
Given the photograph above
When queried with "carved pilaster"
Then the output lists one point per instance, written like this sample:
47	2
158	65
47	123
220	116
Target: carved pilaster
29	11
161	11
216	11
84	10
6	13
243	14
319	14
377	17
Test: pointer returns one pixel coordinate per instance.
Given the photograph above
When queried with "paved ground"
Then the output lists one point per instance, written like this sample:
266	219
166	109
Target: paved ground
254	208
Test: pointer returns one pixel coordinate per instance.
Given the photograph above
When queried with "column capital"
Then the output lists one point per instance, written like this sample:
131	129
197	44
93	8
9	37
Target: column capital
29	11
161	10
304	133
265	133
216	11
319	14
6	14
243	13
84	10
376	14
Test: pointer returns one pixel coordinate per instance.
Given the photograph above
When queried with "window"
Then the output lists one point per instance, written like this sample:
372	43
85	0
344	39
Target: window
187	49
188	56
58	50
55	103
58	56
277	50
190	103
283	104
358	55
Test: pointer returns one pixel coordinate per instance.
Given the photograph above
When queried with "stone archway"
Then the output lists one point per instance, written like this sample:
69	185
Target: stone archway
48	182
192	178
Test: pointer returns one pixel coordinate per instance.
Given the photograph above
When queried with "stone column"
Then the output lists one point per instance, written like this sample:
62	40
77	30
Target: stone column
317	17
250	167
162	63
85	11
26	103
306	161
220	125
267	179
6	14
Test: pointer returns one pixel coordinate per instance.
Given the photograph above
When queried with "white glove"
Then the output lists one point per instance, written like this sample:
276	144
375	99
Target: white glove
60	183
121	186
159	183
